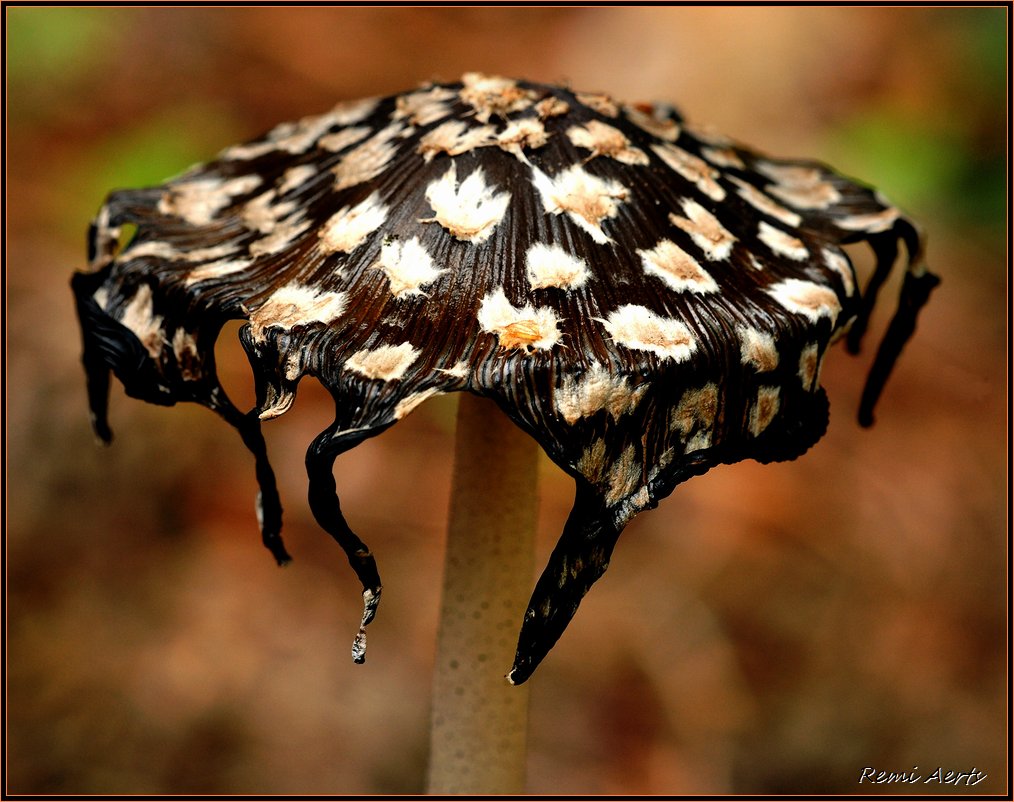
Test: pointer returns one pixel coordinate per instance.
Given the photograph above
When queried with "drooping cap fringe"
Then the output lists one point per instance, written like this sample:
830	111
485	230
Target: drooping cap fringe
917	284
645	298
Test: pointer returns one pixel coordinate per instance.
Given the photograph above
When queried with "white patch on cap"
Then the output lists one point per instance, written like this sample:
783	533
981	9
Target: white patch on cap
624	477
694	416
199	201
591	463
764	409
296	137
600	102
692	168
526	328
278	403
551	106
368	160
605	140
350	112
296	305
459	370
211	252
781	243
586	198
139	316
281	237
654	120
799	185
764	204
584	395
410	402
263	213
107	240
638	501
704	229
839	263
873	223
723	157
620	479
293	365
469	211
818	196
187	355
424	106
385	362
343	138
260	215
491	94
299	136
247	151
520	134
639	328
699	440
217	270
708	134
790	175
806	298
757	348
809	366
349	227
160	249
552	266
454	137
295	177
408	267
677	268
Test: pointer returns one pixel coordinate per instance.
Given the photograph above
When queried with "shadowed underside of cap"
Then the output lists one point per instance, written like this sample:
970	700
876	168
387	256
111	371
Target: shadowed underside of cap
646	299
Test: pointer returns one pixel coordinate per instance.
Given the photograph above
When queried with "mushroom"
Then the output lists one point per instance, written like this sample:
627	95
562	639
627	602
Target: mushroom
644	298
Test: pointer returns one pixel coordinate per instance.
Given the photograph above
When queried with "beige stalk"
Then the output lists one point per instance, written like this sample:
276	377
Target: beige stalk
479	721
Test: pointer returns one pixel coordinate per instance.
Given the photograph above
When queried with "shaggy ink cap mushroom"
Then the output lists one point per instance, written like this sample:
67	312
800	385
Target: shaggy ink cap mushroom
645	298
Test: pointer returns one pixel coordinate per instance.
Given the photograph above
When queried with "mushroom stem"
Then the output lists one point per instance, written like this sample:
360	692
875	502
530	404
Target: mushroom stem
479	721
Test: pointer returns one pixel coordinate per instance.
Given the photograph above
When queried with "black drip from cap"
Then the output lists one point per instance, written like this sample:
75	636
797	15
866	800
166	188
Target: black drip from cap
915	291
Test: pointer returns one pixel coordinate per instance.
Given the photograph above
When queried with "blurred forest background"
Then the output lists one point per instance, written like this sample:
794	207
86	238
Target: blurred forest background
769	629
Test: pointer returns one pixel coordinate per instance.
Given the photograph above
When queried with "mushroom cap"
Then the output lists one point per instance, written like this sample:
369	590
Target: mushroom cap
647	299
